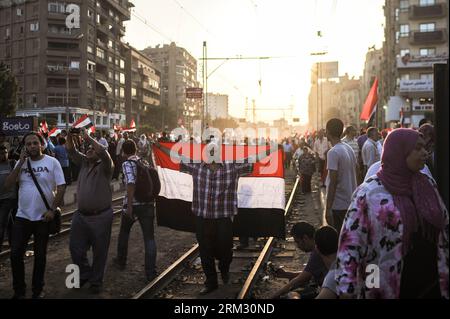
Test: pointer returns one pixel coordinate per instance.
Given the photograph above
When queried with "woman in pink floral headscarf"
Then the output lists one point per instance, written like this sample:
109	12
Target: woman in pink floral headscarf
394	241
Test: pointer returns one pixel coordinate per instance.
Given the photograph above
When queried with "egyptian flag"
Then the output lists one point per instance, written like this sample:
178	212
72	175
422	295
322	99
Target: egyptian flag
260	195
54	132
43	128
132	127
370	105
83	122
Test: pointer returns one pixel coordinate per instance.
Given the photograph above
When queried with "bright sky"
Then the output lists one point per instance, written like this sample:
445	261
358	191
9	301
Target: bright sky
276	28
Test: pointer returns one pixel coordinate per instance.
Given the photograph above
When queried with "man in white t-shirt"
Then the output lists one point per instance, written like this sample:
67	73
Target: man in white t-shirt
32	215
341	180
320	148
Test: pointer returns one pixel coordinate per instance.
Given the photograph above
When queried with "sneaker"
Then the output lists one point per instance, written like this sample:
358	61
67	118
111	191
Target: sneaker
38	295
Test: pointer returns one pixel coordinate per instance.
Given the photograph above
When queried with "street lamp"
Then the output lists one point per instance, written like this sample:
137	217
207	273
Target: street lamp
78	37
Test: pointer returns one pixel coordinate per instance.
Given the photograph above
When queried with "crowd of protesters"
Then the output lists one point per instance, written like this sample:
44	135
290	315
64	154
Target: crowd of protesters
382	208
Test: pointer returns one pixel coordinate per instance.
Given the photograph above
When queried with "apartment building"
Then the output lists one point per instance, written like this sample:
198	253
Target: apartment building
217	106
416	36
178	72
67	72
143	92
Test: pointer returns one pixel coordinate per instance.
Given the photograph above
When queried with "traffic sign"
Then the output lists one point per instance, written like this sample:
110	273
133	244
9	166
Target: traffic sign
194	93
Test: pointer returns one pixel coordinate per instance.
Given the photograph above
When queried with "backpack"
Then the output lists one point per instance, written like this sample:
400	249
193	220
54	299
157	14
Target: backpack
147	184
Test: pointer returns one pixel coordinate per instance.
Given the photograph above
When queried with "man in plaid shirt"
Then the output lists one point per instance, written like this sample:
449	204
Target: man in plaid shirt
214	205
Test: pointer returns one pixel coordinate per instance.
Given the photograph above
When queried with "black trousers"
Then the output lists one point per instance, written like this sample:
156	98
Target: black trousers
21	234
215	239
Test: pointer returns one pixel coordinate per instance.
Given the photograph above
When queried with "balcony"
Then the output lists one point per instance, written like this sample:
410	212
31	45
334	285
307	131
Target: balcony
149	100
430	37
123	10
434	11
61	70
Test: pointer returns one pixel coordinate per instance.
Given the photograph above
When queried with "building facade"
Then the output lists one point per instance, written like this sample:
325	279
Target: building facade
416	35
217	106
65	72
143	93
178	72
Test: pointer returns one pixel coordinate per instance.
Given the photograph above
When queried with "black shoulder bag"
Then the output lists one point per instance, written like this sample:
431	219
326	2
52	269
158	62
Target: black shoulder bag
54	226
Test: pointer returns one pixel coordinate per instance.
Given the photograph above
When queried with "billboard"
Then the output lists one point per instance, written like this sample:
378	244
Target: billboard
17	126
194	93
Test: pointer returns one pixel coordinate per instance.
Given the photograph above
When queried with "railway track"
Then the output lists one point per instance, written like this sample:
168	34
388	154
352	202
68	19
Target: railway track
66	218
184	277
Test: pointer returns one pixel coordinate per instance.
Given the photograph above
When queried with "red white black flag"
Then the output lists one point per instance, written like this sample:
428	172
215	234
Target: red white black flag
261	195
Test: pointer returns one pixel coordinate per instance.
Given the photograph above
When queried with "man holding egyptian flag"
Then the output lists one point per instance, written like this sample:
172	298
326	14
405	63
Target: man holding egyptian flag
212	188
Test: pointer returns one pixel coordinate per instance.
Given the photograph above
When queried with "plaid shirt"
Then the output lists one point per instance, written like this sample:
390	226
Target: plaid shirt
215	193
129	177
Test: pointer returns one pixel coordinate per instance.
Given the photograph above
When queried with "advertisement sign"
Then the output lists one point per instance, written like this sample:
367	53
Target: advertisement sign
194	93
416	85
17	126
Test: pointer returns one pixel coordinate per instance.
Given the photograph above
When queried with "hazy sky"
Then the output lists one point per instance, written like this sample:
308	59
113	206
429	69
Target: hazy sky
277	28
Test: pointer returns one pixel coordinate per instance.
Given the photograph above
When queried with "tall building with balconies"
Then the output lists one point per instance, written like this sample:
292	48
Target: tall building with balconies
178	72
416	35
143	93
64	71
217	106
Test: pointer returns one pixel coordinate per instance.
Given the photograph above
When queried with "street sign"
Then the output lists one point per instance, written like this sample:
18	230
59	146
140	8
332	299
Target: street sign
194	93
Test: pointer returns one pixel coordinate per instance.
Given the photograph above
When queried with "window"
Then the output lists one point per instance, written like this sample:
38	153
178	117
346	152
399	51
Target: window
122	78
426	3
19	12
404	5
404	30
110	44
117	77
122	92
91	66
110	75
404	77
397	13
117	62
34	26
55	7
427	51
110	59
133	92
8	33
122	64
100	53
426	76
90	49
427	27
404	52
397	37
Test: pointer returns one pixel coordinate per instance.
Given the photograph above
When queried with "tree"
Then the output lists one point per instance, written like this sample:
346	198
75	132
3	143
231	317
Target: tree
8	92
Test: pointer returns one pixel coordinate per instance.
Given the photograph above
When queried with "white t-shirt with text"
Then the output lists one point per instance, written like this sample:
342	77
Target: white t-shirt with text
49	174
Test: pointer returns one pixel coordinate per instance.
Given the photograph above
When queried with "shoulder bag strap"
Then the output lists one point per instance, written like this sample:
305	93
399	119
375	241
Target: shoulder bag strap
37	184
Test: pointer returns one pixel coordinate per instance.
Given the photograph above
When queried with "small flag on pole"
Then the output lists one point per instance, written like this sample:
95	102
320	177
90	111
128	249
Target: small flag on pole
371	102
85	122
43	128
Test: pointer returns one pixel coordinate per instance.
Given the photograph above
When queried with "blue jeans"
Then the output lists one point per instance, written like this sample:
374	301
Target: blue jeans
145	215
87	232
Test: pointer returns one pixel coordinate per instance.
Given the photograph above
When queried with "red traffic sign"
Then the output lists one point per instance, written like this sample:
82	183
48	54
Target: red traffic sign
194	93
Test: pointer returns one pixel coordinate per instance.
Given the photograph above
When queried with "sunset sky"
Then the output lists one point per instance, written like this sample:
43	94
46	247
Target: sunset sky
283	29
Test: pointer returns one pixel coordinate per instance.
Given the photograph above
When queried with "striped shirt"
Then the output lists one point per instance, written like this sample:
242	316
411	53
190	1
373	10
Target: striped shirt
215	193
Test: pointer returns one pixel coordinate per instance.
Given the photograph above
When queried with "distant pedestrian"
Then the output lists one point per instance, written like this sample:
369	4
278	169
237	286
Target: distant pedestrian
341	181
370	152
